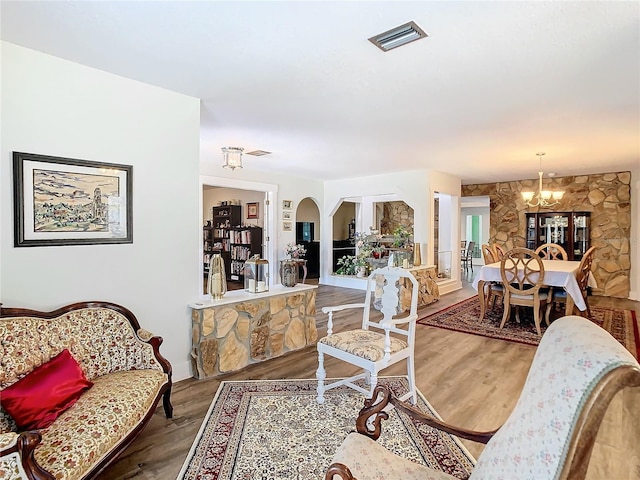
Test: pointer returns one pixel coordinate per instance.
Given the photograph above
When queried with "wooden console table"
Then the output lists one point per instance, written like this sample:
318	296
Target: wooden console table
243	328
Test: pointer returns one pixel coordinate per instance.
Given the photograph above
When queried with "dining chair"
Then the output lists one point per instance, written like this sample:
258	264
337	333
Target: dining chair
373	347
498	251
467	258
522	273
552	251
576	371
582	277
493	289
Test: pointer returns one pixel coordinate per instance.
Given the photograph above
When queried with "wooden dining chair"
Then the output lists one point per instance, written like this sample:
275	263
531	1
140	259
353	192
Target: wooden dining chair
552	251
582	277
493	289
522	273
467	258
498	251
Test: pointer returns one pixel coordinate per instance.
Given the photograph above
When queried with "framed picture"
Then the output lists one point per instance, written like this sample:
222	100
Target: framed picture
286	204
252	209
65	201
286	215
286	226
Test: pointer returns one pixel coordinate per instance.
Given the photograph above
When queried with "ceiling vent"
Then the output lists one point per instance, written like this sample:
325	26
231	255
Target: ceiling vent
258	153
396	37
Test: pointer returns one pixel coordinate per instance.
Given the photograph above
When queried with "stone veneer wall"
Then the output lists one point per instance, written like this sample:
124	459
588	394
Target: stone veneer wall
428	290
230	337
395	214
607	196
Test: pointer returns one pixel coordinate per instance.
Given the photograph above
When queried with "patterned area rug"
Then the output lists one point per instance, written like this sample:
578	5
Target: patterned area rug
275	430
465	317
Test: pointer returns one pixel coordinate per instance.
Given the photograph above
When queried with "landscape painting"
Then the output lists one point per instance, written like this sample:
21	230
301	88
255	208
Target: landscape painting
72	202
61	201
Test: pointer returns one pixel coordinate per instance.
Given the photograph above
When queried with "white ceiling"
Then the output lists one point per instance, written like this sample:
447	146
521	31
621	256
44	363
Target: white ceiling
493	84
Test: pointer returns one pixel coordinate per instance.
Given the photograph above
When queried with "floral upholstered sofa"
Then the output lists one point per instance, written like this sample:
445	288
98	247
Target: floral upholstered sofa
77	385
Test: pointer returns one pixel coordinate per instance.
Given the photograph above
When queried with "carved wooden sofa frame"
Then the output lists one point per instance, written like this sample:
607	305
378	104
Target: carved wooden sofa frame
19	451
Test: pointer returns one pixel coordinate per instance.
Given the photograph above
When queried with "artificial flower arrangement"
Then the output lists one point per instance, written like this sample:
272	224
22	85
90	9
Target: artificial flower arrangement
368	244
293	250
346	265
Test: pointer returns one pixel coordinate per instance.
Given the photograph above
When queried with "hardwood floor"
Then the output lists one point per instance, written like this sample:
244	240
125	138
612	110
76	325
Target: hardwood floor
471	381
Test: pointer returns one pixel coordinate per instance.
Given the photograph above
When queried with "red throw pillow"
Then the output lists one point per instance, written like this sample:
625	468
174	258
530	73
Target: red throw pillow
36	400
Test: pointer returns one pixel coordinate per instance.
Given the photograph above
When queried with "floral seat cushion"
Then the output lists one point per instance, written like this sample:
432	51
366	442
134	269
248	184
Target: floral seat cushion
368	459
363	343
102	417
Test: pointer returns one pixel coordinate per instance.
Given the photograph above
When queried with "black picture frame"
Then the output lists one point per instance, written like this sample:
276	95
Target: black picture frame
67	201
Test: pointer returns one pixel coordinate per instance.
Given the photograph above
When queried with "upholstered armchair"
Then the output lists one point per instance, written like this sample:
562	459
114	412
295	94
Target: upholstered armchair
550	433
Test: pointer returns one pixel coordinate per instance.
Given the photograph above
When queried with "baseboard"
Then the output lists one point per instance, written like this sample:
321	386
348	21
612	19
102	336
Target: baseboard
181	371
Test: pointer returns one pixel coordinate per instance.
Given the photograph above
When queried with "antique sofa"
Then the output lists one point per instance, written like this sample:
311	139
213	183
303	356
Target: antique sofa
81	383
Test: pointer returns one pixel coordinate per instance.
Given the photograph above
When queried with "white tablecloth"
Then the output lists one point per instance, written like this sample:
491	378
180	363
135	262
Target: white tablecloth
557	273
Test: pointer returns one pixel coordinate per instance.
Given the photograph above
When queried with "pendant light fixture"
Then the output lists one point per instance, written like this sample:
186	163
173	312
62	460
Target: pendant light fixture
232	157
544	198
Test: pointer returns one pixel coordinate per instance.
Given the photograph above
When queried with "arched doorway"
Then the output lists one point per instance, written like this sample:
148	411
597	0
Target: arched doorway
308	234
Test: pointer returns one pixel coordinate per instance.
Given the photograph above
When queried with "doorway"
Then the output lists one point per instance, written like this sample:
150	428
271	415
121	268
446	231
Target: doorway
308	234
253	205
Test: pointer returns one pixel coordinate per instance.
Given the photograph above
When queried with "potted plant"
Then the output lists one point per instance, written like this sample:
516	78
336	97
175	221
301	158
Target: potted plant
360	266
346	265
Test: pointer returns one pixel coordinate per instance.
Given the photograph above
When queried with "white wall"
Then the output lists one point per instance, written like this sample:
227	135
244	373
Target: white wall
211	197
55	107
416	188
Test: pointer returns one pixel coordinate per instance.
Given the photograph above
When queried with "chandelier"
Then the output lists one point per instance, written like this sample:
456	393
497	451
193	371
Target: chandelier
232	157
544	198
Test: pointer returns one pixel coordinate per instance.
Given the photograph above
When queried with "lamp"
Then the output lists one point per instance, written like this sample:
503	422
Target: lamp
544	198
232	157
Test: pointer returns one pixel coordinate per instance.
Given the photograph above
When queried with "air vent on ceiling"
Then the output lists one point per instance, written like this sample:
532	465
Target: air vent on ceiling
396	37
258	153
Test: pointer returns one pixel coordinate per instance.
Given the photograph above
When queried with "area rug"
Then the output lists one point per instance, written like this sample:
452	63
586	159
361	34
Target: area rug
465	317
275	430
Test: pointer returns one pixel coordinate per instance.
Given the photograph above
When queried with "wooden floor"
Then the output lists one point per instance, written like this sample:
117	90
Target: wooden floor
471	381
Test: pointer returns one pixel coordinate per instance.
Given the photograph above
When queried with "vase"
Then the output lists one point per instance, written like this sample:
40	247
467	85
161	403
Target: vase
361	271
217	277
417	261
289	272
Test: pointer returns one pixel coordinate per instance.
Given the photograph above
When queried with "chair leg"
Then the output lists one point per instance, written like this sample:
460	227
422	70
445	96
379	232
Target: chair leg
373	377
320	375
536	319
548	313
411	373
505	314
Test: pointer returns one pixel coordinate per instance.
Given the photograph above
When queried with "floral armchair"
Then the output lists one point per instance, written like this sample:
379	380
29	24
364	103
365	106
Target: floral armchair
550	434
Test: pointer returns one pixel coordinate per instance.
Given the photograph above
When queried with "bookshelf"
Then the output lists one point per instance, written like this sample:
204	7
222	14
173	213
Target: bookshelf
244	242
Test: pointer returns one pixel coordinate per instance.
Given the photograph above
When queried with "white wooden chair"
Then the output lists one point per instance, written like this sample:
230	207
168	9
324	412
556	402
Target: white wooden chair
373	347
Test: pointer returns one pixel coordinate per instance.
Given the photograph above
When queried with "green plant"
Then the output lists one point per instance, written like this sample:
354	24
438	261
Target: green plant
403	236
346	265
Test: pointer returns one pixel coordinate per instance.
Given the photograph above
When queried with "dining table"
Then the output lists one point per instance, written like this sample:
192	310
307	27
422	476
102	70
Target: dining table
557	273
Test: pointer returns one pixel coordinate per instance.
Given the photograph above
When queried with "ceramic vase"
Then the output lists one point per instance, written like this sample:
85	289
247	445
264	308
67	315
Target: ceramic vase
289	272
217	277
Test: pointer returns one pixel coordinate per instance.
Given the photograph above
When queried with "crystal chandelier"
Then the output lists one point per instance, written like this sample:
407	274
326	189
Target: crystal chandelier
544	198
232	157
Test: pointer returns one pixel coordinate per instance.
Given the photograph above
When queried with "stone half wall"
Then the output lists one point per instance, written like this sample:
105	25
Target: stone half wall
230	337
607	196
